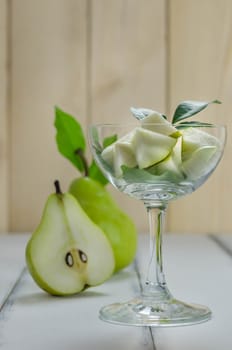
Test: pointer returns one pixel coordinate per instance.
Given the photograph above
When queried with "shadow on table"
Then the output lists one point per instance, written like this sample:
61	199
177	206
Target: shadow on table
43	297
33	295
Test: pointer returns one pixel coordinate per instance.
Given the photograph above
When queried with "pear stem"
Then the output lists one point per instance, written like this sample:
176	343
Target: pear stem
57	187
80	153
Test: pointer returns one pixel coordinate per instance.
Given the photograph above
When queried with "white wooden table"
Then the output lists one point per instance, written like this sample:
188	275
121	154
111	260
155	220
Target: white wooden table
198	269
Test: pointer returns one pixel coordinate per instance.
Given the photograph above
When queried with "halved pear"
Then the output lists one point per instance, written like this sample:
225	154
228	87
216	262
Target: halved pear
157	123
151	147
68	252
101	208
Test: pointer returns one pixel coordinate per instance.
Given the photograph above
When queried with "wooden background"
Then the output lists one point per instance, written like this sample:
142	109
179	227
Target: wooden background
95	59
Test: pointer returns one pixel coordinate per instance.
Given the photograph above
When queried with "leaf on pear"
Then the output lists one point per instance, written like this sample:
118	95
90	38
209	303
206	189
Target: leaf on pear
69	137
187	109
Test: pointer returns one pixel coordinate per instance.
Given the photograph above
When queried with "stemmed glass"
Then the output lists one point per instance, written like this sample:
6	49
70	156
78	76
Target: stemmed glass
128	164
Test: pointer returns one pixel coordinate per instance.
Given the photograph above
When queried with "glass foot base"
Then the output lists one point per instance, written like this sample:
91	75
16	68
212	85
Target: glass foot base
140	312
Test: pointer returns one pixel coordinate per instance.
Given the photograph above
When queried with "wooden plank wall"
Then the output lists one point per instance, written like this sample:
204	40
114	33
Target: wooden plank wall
4	120
200	36
96	58
48	47
128	67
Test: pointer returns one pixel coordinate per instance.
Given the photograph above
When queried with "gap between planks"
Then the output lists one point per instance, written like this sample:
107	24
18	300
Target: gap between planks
220	244
12	290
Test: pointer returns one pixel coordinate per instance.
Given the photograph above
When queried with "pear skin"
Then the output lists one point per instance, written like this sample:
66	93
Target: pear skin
103	211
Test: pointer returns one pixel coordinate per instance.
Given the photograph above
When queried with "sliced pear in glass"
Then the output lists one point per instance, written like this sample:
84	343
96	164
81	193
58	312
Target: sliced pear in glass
194	138
124	155
141	113
157	123
108	154
151	147
200	161
68	252
172	164
120	153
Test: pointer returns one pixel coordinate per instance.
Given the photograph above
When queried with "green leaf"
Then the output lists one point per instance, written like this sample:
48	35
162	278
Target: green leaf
94	171
192	124
109	140
69	137
136	175
187	109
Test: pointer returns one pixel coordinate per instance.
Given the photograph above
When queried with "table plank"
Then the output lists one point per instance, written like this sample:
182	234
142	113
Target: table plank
198	270
34	320
225	241
12	262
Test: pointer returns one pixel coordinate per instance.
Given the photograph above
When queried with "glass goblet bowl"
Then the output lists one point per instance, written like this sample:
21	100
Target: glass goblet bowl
146	163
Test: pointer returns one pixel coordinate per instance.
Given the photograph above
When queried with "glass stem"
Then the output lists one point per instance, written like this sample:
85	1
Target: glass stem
155	284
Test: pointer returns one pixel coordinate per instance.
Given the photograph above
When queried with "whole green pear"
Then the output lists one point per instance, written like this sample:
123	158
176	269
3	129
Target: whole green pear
103	211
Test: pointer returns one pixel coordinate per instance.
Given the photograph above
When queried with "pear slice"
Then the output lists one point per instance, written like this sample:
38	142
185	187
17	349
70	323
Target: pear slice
198	150
151	147
124	155
157	123
120	153
194	138
68	252
172	164
141	147
108	154
200	162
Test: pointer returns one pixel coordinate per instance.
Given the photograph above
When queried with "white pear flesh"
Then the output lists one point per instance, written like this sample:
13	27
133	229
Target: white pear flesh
194	138
120	153
124	155
108	154
151	147
200	162
172	164
185	153
68	251
157	123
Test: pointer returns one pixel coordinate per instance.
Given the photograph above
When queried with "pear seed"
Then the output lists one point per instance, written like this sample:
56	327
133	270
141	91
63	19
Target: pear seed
82	256
69	259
